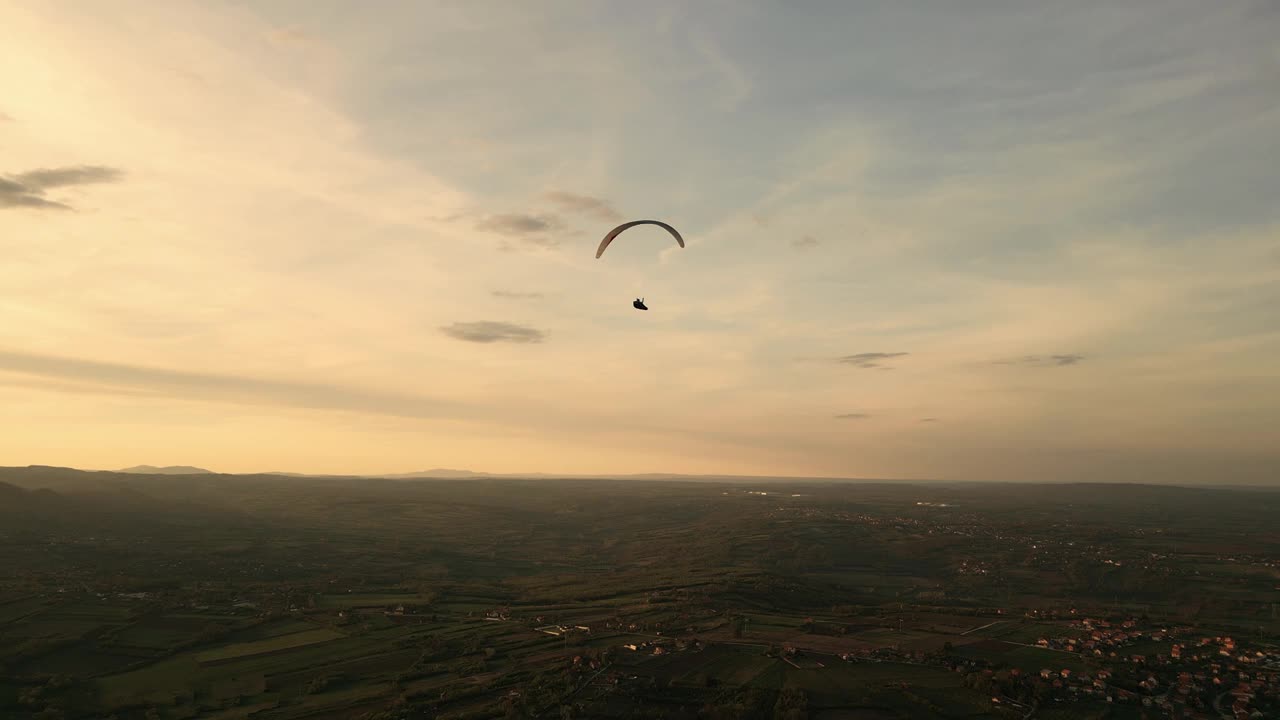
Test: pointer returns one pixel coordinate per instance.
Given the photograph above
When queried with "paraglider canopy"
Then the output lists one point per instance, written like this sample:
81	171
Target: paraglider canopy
615	232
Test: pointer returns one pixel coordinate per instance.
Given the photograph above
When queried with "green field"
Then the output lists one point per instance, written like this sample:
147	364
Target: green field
16	609
83	659
370	600
64	621
163	632
270	645
239	669
277	628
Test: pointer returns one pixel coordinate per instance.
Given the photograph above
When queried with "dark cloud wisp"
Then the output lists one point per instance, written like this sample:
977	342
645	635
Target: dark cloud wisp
518	224
27	189
488	331
584	204
16	195
530	230
1045	360
852	416
869	359
805	243
44	178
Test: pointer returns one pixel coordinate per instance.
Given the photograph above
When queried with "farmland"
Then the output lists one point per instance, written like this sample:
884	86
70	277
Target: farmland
274	599
264	647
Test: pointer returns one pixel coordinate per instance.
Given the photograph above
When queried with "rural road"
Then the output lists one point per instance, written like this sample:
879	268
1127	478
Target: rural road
984	627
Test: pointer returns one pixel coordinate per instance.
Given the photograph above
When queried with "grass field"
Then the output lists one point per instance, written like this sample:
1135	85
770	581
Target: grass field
1028	633
69	620
855	713
369	600
267	630
51	625
16	609
83	659
242	668
162	632
271	645
159	682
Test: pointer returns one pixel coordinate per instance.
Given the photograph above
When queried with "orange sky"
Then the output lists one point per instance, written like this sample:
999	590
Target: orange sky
361	240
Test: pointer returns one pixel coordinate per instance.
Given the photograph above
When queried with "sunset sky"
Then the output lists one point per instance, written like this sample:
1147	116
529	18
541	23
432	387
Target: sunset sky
979	240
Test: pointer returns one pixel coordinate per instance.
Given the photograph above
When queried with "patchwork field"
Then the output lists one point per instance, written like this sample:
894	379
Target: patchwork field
276	599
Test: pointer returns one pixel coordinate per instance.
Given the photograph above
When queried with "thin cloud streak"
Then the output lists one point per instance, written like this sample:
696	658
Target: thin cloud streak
45	178
585	205
1045	360
488	331
516	295
518	223
227	388
869	360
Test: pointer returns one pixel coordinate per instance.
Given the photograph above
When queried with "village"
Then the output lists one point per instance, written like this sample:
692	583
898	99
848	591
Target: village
1198	677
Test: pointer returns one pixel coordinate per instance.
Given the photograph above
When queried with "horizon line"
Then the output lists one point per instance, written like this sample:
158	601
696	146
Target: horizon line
480	475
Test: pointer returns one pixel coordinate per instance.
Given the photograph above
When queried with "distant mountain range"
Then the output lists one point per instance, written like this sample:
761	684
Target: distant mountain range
455	474
40	486
451	474
435	473
166	470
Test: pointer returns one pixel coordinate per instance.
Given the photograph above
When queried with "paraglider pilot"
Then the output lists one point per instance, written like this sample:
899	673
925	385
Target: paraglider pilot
639	304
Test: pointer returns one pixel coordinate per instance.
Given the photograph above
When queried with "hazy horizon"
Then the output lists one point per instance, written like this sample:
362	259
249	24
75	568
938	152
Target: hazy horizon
961	243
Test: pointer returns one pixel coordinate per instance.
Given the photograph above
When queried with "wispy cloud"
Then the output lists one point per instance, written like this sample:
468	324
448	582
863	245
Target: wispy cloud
27	189
533	241
737	85
44	178
869	359
584	205
519	224
515	295
16	195
289	37
853	416
928	420
528	229
134	379
1044	360
806	242
488	331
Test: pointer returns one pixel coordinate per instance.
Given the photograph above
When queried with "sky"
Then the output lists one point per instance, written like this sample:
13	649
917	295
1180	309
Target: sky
965	241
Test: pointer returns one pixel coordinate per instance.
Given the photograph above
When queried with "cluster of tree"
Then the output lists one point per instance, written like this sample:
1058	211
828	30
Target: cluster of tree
757	704
320	683
49	700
